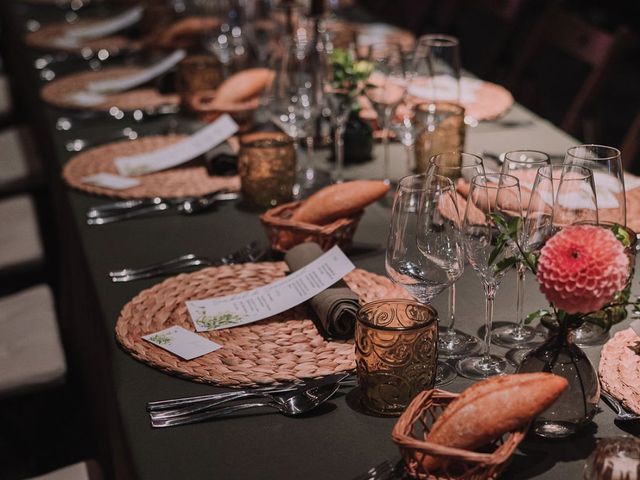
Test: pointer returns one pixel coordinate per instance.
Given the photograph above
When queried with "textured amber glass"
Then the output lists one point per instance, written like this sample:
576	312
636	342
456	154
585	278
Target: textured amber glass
396	355
197	73
443	130
267	169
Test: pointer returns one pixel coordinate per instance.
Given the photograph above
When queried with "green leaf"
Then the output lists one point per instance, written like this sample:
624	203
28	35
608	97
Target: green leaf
497	251
505	263
538	314
621	234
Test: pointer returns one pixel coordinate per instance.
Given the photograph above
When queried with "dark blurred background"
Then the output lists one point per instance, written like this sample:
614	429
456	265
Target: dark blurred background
574	62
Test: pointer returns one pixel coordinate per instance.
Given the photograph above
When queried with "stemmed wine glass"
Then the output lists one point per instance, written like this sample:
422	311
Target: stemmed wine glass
491	195
424	249
524	165
577	201
461	167
386	89
293	106
608	177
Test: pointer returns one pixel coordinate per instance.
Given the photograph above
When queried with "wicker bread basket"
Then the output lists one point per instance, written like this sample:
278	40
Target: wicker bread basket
412	428
284	233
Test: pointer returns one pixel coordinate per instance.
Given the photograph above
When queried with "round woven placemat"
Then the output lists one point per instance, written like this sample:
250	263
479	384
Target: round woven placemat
491	101
57	92
286	347
183	181
46	39
619	368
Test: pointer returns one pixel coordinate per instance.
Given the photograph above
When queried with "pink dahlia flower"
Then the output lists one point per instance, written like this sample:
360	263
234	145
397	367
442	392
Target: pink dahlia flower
581	268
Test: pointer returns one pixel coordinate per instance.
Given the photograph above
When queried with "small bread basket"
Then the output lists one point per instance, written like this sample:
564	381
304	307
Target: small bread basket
413	426
284	233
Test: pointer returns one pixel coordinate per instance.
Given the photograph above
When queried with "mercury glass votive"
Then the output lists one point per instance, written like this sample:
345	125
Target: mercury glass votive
442	130
267	169
396	354
197	73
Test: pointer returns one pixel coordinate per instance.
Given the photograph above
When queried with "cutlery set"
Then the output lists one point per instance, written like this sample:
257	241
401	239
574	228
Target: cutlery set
249	253
288	400
127	209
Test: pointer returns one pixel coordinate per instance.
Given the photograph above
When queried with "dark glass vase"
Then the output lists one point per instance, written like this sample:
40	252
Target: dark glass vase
358	141
578	403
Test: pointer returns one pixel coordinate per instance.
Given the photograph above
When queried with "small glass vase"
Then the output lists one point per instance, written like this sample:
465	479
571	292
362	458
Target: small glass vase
578	404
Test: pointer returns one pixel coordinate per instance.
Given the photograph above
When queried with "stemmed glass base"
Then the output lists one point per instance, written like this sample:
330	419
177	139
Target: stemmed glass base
454	343
589	334
445	374
478	368
513	335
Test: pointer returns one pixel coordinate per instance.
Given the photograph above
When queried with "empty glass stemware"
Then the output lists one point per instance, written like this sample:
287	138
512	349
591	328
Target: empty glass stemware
524	165
608	178
461	167
490	195
577	201
435	74
386	89
424	248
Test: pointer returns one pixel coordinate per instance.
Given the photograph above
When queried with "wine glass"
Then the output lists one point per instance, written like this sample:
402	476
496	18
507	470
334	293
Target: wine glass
577	201
386	89
461	167
491	195
608	177
435	72
524	165
424	249
293	107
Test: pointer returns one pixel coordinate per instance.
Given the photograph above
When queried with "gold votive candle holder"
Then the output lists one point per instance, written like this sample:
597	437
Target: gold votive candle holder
197	73
443	131
396	353
267	169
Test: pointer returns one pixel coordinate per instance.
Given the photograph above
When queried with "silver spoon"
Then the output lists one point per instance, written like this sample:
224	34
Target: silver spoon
198	204
293	405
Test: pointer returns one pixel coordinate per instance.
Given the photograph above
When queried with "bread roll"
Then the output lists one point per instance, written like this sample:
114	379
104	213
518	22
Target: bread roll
244	85
488	409
339	201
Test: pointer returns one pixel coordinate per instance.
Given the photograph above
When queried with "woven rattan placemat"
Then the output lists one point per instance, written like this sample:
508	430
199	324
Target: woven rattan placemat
619	368
58	91
184	181
286	347
46	38
491	101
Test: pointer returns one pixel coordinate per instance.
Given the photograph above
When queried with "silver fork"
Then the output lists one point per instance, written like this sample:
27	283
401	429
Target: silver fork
621	413
249	253
383	471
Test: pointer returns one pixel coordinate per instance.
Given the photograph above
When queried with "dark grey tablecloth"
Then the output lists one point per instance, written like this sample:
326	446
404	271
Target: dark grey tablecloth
340	441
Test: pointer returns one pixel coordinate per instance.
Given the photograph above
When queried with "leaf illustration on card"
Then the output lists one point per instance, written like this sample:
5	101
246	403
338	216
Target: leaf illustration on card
219	320
160	339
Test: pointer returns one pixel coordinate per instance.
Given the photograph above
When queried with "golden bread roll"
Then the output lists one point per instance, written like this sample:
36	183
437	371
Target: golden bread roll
184	32
244	85
339	201
490	408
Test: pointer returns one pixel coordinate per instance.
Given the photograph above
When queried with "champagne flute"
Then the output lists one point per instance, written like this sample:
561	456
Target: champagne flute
490	195
608	178
386	89
524	165
424	249
462	167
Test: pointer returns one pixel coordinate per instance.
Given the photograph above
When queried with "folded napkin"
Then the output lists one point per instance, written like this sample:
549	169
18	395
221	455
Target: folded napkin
335	307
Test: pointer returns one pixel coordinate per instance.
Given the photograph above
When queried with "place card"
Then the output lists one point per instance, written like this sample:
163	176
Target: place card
182	342
263	302
108	26
446	88
197	144
121	84
109	180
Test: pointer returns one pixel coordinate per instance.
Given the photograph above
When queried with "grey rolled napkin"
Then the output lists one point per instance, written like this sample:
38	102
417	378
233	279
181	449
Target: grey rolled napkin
335	307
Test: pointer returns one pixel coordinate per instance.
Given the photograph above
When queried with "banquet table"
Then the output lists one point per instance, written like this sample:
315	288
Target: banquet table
340	441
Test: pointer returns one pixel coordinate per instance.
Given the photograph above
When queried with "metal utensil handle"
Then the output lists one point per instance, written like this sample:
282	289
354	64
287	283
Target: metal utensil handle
216	413
171	269
153	266
122	206
140	212
202	406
